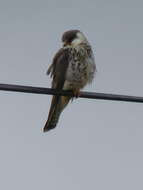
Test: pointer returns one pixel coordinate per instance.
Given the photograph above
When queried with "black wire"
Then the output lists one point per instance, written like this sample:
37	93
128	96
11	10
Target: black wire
91	95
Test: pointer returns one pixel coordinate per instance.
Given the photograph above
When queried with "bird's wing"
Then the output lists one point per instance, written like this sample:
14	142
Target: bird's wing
58	72
59	67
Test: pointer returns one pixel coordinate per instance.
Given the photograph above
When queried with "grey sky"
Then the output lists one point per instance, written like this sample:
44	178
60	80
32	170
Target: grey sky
97	144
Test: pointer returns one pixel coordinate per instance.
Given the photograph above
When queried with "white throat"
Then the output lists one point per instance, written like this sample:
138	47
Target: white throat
80	39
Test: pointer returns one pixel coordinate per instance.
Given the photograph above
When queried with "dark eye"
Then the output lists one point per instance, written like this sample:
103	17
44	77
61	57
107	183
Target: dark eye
71	39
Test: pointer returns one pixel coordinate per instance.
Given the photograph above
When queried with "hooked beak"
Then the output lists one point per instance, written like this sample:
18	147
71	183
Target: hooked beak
66	44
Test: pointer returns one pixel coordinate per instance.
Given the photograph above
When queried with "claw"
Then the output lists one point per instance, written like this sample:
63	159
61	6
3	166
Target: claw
76	93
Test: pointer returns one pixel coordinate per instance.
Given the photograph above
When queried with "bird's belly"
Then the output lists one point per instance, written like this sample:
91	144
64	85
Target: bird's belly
78	75
73	85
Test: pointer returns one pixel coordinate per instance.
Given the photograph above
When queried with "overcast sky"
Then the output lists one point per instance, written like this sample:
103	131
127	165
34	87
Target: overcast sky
97	144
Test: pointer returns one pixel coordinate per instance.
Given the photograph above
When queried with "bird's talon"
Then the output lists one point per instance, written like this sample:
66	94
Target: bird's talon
76	93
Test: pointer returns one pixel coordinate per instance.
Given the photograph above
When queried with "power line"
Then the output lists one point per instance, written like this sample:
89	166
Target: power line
91	95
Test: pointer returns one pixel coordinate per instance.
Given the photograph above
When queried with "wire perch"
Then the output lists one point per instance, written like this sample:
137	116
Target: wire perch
49	91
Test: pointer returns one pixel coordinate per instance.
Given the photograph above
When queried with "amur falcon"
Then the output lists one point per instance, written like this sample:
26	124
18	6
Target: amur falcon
72	68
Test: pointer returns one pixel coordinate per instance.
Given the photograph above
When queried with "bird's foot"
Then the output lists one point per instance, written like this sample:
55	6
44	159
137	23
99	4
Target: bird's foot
76	93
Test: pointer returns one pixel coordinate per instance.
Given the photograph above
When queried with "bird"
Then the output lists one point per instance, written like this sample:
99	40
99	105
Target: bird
72	68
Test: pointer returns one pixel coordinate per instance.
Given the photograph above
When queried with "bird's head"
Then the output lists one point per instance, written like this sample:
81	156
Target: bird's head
73	38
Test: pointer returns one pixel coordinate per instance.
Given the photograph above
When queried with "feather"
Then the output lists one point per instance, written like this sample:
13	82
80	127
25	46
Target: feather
58	72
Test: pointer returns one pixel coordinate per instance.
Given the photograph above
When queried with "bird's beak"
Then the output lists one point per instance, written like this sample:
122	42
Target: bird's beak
65	44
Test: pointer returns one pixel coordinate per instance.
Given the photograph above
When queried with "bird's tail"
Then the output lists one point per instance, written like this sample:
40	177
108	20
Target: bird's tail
57	106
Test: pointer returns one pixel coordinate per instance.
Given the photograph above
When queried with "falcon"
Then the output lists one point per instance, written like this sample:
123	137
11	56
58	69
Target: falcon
73	67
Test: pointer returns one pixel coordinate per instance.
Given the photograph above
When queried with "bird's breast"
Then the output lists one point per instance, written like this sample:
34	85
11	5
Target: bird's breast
80	72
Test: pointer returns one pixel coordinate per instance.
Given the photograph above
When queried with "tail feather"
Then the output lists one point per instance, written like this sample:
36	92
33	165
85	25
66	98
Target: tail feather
49	126
57	106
